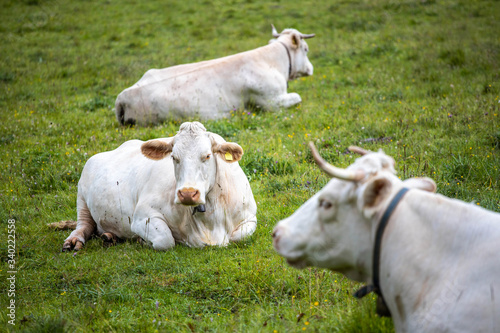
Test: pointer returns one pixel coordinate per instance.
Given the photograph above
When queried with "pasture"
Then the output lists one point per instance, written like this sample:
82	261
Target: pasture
419	79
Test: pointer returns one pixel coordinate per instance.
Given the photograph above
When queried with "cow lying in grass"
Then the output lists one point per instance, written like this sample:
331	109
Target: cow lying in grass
212	89
187	189
434	260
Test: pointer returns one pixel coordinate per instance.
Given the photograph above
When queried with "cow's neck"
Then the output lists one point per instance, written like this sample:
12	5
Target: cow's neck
384	221
428	242
206	228
274	53
289	60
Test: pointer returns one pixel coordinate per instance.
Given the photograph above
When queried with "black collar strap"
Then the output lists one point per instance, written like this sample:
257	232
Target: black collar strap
365	290
199	208
289	60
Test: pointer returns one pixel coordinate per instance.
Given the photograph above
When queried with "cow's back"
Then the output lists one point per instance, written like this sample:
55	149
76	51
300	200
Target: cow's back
112	182
209	89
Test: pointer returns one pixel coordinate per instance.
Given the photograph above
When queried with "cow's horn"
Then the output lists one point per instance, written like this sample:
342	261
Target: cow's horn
333	171
275	32
304	36
358	150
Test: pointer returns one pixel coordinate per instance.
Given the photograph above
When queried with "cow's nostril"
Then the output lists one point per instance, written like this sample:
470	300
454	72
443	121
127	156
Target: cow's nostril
275	233
196	195
189	196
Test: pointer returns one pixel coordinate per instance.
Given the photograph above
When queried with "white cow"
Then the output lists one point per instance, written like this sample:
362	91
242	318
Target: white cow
211	89
187	189
439	262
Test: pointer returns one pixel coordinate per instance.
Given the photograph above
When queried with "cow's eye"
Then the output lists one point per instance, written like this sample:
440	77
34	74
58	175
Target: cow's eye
207	157
176	160
325	204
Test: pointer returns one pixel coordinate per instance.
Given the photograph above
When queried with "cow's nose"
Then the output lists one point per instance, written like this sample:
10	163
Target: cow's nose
189	196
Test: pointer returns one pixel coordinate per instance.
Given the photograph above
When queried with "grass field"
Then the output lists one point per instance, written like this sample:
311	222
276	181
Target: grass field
418	79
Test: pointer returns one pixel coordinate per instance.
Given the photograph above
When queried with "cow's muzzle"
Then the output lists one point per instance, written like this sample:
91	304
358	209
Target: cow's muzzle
294	258
189	196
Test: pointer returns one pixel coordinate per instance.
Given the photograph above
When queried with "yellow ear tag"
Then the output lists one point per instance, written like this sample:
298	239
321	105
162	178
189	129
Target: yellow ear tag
228	156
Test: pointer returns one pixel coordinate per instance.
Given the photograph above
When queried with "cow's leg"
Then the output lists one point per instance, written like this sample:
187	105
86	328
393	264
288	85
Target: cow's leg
243	230
280	101
85	227
109	237
155	232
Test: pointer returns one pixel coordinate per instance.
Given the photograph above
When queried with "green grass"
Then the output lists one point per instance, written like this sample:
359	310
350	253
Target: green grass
418	79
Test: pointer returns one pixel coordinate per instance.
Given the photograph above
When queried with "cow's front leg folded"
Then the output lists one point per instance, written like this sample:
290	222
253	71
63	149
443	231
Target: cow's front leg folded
281	101
244	229
288	100
155	232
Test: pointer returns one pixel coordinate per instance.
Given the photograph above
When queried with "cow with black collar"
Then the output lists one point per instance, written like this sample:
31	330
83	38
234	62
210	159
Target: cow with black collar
212	89
434	260
186	189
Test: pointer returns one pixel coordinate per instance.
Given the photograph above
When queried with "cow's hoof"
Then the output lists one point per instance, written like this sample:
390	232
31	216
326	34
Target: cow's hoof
72	244
109	238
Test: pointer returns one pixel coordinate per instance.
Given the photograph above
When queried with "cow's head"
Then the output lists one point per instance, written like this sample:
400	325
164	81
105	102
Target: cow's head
195	154
297	47
335	228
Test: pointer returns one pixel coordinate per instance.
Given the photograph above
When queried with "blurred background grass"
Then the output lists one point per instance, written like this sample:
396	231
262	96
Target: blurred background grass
418	79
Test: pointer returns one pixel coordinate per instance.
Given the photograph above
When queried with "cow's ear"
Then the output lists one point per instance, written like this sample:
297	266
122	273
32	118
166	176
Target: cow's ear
295	40
156	149
229	151
375	192
424	183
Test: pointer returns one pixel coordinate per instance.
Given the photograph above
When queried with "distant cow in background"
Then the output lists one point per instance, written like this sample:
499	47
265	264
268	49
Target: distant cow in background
211	89
187	189
436	265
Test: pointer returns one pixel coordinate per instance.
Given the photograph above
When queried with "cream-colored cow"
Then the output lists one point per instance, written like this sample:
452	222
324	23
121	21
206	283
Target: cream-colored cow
438	262
212	89
185	189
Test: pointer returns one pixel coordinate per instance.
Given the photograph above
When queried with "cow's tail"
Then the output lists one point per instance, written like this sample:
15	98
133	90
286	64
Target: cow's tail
63	225
121	109
120	112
